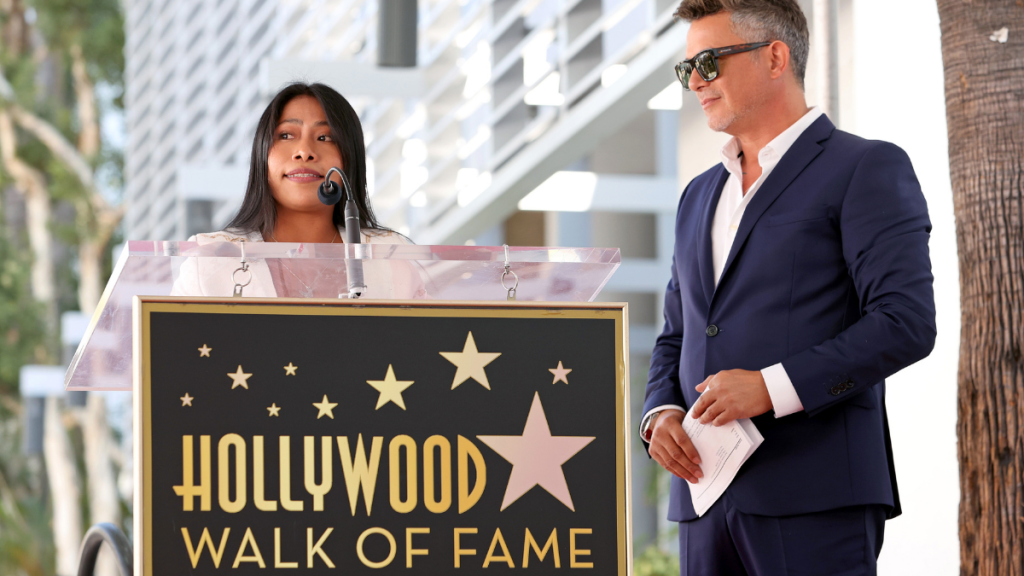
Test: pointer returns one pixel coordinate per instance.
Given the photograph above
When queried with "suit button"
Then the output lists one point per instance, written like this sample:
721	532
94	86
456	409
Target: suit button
712	331
836	390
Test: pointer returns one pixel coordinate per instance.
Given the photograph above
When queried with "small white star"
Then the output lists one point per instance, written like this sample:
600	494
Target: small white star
290	369
470	363
186	400
239	379
204	351
274	409
560	373
325	408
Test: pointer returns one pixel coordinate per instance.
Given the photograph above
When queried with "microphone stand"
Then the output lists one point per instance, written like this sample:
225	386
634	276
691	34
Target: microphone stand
353	237
330	195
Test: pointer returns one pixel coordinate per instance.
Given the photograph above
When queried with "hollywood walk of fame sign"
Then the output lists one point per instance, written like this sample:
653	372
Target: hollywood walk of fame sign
399	437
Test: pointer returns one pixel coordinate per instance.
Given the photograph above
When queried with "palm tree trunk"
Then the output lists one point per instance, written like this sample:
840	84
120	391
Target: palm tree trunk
984	65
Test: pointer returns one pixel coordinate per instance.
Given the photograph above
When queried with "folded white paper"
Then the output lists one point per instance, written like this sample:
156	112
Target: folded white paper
722	449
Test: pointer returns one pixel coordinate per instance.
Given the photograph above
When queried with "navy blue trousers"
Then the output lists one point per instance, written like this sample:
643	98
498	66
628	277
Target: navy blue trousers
728	542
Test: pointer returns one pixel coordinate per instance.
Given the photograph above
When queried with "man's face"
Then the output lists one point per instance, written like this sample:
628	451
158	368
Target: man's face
742	85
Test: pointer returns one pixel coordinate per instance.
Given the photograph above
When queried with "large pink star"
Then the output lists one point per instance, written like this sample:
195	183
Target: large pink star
537	457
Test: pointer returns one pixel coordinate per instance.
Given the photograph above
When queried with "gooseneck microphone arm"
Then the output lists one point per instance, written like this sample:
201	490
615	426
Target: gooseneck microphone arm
330	194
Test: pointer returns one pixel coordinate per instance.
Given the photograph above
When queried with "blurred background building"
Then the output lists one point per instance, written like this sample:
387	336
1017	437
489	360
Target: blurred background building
539	122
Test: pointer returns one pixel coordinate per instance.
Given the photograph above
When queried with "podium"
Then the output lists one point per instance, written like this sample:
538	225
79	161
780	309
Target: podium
458	432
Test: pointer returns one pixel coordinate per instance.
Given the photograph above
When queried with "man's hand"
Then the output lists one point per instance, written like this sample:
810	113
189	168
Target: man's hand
731	394
671	447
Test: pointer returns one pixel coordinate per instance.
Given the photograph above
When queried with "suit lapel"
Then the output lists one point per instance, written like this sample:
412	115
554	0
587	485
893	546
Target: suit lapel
799	155
704	259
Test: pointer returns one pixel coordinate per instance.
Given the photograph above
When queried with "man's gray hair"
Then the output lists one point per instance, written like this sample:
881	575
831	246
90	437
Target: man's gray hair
760	21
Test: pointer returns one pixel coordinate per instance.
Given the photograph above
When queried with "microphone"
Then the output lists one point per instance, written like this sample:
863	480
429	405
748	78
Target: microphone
330	194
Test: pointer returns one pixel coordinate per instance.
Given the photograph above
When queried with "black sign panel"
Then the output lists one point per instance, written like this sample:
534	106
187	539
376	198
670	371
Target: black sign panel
374	438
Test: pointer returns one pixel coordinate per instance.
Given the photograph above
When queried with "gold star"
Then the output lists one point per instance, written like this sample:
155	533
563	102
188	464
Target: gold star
470	363
186	400
204	351
390	389
560	373
239	379
325	408
274	409
290	369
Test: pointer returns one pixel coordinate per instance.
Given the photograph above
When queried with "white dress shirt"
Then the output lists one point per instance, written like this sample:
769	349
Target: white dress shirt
728	214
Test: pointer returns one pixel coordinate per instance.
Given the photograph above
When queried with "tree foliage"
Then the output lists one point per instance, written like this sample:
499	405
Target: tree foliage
95	25
61	69
21	327
26	547
654	561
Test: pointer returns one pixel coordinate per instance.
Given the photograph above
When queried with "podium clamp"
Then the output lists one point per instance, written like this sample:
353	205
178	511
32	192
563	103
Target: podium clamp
243	268
508	270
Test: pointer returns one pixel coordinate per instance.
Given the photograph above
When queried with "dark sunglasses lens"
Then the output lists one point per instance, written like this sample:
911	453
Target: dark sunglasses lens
706	66
683	71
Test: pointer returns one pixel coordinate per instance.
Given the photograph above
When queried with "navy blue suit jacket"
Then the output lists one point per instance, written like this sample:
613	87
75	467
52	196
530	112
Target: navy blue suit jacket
830	275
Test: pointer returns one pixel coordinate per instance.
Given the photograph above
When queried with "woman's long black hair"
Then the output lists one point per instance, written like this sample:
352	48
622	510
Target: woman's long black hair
259	212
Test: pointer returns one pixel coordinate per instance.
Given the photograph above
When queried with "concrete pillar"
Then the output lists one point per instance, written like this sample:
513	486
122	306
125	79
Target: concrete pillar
666	143
32	427
825	44
397	33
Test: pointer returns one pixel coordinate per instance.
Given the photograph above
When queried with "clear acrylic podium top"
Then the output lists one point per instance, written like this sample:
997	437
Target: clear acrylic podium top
285	270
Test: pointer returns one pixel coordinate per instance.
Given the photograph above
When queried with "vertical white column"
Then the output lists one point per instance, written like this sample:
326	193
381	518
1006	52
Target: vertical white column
65	488
826	47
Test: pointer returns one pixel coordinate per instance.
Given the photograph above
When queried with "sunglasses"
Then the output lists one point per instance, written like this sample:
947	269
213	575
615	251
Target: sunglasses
706	62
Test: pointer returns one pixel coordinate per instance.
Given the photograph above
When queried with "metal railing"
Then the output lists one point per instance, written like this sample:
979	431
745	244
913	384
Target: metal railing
94	540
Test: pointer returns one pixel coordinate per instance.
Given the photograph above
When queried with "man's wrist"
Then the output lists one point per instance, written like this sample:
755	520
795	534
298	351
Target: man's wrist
647	424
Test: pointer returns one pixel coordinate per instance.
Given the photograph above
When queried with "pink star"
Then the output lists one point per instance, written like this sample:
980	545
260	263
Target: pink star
560	373
537	457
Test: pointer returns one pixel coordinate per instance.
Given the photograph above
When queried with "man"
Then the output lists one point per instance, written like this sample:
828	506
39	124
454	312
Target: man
800	281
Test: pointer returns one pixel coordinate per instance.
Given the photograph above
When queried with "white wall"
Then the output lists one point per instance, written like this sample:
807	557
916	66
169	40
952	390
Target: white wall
906	105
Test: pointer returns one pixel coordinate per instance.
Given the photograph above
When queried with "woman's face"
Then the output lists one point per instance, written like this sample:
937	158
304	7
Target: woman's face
302	152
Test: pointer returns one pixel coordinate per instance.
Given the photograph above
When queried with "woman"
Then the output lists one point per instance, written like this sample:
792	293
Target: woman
305	130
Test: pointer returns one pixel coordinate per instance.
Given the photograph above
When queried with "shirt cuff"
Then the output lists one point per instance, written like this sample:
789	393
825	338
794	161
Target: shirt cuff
785	400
